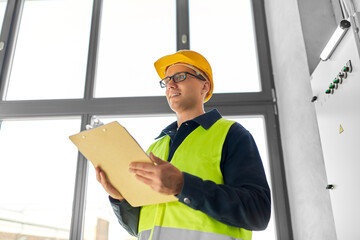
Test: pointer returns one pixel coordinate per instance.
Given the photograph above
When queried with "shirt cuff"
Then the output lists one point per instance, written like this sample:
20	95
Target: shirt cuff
191	192
117	204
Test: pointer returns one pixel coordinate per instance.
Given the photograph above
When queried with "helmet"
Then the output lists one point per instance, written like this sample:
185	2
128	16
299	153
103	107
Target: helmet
188	57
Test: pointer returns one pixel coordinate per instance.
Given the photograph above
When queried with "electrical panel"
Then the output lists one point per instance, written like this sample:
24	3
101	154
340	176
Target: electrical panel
336	96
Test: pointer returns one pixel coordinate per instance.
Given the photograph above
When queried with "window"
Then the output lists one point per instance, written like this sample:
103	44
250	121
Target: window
51	51
256	126
49	61
229	24
98	206
38	165
2	12
134	34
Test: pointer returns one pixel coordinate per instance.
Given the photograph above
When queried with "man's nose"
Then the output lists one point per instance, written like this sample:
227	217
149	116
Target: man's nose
171	83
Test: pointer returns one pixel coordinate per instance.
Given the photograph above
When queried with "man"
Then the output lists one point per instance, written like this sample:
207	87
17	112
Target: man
210	164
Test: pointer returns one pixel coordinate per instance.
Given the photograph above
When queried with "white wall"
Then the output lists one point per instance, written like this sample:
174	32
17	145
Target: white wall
310	205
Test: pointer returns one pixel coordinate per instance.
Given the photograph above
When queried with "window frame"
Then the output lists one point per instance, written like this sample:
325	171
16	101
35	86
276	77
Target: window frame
229	104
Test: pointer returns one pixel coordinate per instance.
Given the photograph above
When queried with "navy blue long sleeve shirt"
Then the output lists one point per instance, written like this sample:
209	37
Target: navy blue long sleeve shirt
244	198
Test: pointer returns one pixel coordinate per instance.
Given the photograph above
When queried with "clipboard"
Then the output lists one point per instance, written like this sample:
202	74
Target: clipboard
112	148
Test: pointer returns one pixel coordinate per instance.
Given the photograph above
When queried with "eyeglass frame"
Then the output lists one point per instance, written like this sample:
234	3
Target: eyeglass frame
162	81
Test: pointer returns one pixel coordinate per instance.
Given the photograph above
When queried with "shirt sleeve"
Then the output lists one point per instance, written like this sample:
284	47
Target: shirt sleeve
244	199
127	215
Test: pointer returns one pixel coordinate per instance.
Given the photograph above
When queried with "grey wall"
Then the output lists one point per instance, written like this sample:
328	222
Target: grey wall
295	44
319	20
318	23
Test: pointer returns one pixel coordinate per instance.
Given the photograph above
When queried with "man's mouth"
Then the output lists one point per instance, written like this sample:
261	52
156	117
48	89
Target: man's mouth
174	95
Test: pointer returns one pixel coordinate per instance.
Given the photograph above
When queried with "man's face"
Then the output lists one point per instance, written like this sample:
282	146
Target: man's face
188	94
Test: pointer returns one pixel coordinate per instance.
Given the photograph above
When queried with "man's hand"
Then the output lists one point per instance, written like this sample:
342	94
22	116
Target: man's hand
163	177
101	177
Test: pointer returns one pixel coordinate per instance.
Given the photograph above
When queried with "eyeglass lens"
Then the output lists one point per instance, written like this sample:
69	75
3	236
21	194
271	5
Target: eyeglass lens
177	77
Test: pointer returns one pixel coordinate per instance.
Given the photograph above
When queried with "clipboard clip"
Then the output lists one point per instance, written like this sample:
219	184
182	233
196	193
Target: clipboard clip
94	123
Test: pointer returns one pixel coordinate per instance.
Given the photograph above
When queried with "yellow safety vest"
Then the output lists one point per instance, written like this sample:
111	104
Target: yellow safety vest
200	155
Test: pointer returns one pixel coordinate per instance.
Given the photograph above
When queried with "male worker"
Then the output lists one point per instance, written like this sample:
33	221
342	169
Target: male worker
211	165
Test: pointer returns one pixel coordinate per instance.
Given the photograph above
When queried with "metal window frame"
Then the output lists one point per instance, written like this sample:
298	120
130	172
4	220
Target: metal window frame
229	104
9	32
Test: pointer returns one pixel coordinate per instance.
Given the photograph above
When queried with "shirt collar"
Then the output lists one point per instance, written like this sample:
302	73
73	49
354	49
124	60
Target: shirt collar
206	120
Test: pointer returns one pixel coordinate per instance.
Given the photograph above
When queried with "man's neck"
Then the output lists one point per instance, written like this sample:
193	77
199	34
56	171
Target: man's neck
186	116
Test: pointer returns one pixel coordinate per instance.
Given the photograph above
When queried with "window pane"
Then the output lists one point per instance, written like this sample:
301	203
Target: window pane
98	206
256	126
97	202
38	164
134	34
2	12
223	32
51	52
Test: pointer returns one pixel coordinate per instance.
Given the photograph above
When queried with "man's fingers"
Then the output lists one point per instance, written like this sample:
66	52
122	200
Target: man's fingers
103	179
101	176
147	181
97	169
110	189
114	193
146	167
146	174
156	160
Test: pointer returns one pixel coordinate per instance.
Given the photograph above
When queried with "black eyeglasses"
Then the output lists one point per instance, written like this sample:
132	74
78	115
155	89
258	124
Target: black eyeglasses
178	77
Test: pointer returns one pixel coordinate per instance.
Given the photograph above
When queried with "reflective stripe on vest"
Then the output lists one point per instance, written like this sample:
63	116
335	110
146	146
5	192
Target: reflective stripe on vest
200	155
165	233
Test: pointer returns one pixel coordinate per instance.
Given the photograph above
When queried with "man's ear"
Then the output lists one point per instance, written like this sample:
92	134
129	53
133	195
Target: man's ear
206	87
